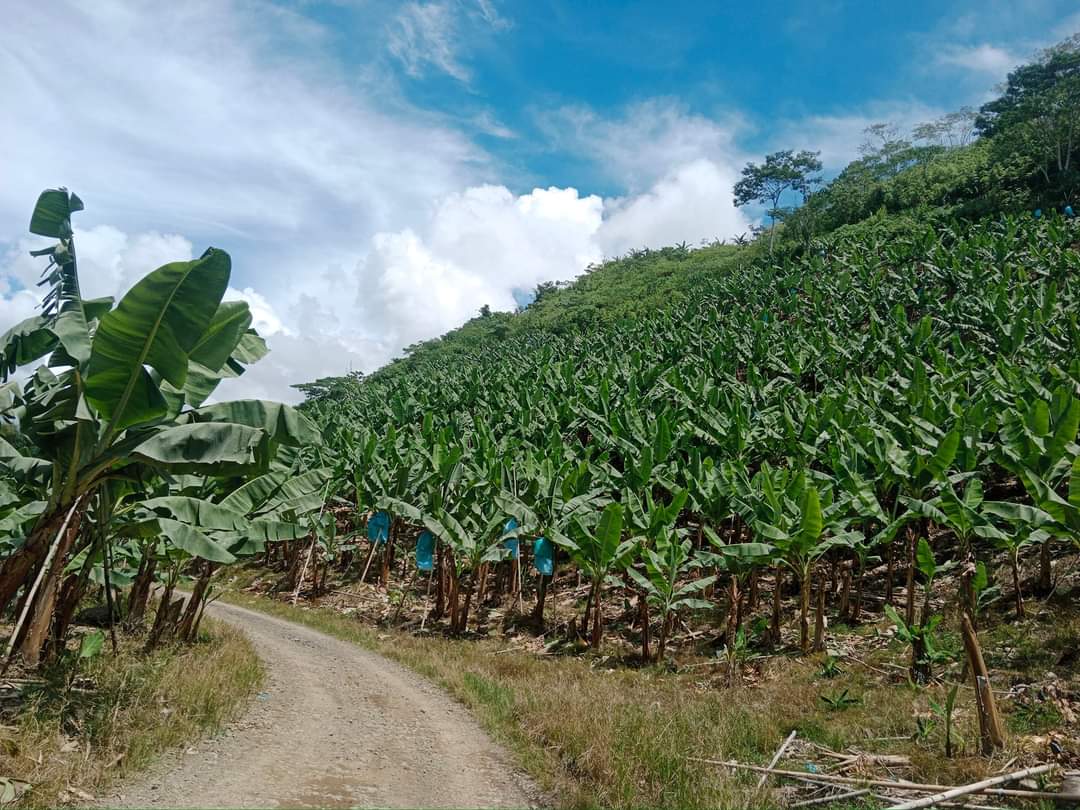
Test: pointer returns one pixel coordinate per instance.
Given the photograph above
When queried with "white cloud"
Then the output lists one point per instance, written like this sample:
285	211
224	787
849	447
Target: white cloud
644	143
477	248
690	203
839	135
232	125
983	58
426	34
264	318
433	35
357	224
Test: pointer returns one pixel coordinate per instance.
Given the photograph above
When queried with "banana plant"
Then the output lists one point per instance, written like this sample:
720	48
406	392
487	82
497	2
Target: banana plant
667	565
120	390
599	551
800	541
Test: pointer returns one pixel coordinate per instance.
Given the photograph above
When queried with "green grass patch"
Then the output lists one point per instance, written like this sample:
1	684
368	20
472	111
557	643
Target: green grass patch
75	734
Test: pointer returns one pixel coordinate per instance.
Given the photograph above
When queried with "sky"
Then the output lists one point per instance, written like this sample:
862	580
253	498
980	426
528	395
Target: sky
381	170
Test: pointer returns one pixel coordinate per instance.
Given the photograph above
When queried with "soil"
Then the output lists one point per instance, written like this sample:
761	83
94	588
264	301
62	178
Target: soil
336	726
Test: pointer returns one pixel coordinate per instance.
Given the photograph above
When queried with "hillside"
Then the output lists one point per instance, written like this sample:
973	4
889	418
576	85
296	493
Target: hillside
807	501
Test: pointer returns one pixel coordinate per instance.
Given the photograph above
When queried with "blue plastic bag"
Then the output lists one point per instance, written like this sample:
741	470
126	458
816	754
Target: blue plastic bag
511	543
425	551
378	527
544	556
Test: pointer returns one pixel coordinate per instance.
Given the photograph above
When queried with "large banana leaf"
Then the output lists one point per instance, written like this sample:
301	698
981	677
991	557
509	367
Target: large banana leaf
191	540
279	491
159	321
210	355
197	512
210	448
283	424
25	342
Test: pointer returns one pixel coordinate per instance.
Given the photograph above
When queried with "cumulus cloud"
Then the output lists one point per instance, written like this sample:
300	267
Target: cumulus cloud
357	224
692	202
478	247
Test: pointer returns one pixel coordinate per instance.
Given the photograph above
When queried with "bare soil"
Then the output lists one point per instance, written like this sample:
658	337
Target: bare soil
337	726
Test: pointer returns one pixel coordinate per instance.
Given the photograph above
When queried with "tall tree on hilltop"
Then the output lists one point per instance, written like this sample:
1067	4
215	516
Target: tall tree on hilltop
781	172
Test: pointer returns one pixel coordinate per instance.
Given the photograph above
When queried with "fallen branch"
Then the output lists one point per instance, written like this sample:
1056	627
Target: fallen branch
836	797
776	758
899	784
975	787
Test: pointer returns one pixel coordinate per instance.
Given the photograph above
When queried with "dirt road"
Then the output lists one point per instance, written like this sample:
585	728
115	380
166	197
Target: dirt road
337	726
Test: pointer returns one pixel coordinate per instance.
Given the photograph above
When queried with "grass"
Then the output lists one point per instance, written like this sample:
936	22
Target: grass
71	744
594	734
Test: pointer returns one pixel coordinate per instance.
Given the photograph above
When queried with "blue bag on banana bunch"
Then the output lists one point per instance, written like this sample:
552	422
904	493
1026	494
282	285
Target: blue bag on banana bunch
544	556
425	551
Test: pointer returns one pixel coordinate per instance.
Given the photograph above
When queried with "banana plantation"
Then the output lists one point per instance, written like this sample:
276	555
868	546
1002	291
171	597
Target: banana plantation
854	425
876	428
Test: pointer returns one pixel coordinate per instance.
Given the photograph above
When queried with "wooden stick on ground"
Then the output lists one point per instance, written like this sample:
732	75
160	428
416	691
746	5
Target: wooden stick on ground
776	758
836	797
899	784
975	787
303	571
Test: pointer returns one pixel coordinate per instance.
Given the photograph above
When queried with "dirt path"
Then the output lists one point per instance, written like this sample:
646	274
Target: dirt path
337	726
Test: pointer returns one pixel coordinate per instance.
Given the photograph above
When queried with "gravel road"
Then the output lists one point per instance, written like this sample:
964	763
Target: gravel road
337	726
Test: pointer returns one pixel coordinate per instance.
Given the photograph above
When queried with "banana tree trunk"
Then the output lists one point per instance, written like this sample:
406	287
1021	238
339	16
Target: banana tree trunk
541	597
71	593
1046	572
453	598
41	607
157	630
856	612
889	569
643	620
440	585
665	631
598	617
804	612
140	588
909	606
819	616
387	554
191	610
15	570
1014	564
470	584
734	595
845	592
778	596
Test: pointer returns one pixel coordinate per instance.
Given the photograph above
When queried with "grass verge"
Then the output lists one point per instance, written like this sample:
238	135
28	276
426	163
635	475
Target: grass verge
74	735
594	735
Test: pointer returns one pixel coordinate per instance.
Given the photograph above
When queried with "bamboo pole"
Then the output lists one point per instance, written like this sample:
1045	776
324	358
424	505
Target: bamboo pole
776	758
990	731
836	797
899	784
975	787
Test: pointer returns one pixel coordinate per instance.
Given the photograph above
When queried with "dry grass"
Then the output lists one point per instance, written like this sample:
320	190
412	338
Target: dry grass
70	744
595	734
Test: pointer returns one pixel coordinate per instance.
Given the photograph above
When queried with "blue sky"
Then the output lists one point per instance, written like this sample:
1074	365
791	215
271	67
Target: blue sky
380	170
